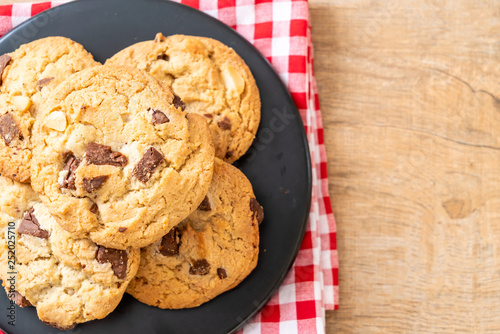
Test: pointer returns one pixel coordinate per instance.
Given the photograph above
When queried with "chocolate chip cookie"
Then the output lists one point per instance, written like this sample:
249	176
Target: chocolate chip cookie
27	76
114	160
210	252
15	199
209	79
68	280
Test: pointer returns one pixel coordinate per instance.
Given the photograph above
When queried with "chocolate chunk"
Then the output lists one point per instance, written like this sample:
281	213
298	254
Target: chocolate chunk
19	299
117	258
94	208
221	272
205	205
229	154
67	154
147	165
224	124
44	82
4	60
98	154
163	57
159	117
95	183
30	225
208	115
71	163
200	267
258	211
178	103
9	128
122	229
170	243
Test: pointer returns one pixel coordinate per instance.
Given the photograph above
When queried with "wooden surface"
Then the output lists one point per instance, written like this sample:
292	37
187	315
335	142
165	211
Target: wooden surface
410	94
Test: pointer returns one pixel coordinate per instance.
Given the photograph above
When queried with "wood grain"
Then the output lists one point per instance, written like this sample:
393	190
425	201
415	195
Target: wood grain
411	104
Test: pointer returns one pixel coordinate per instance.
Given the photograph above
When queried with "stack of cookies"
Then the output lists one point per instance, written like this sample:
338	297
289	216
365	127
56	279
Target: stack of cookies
117	178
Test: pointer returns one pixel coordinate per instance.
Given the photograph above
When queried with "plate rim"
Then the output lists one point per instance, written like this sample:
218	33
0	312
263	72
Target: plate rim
304	138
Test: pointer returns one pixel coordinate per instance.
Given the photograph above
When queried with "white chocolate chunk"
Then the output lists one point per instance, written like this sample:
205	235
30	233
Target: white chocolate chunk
56	121
232	79
21	102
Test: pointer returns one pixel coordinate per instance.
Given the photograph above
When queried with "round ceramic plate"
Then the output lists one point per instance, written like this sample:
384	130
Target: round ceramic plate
277	164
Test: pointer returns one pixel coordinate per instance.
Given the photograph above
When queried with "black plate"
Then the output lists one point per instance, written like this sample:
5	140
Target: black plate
278	163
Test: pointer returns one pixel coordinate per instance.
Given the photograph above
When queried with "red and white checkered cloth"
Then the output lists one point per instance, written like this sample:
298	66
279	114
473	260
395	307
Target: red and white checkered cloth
281	30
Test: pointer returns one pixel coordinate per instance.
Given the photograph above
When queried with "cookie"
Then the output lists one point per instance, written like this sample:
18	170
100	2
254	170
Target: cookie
15	199
209	79
68	280
210	252
115	161
27	76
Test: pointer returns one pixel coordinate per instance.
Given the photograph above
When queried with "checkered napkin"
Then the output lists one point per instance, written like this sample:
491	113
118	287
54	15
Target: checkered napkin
281	30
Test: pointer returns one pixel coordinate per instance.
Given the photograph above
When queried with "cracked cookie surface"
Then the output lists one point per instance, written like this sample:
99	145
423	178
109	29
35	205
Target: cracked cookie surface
210	252
209	79
28	75
69	280
118	162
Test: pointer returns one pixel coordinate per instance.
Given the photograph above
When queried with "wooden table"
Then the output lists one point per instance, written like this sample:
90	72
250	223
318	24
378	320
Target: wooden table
410	94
